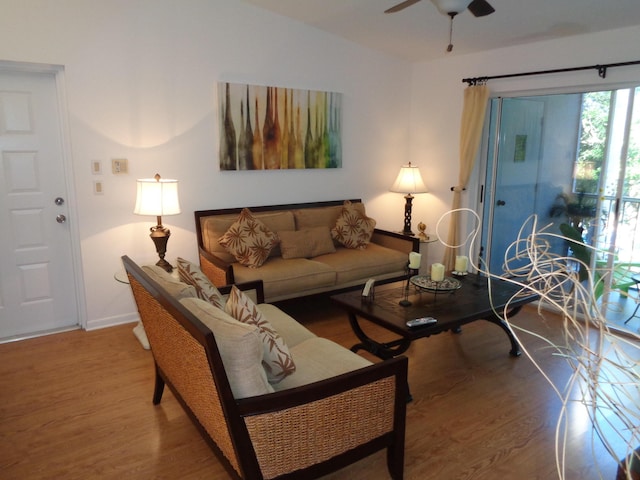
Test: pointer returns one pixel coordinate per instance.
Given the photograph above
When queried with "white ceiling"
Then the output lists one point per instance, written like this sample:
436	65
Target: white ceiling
421	33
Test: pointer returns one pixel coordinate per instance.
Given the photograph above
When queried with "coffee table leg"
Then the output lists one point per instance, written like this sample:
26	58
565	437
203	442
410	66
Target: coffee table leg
515	347
383	351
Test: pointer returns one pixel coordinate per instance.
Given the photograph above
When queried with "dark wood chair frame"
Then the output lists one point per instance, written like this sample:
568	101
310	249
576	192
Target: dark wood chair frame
237	411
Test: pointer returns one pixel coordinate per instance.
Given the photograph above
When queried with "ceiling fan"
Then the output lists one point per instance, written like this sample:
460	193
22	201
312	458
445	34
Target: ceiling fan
479	8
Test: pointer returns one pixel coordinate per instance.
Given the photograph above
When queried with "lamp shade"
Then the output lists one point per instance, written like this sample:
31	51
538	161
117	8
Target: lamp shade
157	197
451	6
409	180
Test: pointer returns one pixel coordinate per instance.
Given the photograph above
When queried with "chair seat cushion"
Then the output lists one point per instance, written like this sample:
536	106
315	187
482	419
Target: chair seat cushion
318	359
289	329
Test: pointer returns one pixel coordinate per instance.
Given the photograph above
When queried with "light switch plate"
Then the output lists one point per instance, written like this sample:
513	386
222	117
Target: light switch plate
97	188
119	166
96	167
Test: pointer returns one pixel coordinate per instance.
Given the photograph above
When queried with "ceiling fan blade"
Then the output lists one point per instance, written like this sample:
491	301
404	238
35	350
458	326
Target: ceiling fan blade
480	8
401	6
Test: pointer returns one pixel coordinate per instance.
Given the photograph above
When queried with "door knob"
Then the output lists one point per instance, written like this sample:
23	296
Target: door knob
61	218
59	201
501	203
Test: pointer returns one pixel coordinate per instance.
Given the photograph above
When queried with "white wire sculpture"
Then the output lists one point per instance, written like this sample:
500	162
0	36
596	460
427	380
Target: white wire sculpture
605	363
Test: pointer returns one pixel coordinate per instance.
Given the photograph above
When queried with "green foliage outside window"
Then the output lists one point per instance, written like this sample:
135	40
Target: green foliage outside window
593	134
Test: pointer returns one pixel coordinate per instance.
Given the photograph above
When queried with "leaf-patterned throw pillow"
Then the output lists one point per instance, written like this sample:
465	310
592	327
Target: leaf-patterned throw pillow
277	360
249	240
352	229
191	274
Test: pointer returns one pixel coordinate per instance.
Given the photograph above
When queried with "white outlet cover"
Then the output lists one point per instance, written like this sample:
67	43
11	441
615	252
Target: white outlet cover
119	166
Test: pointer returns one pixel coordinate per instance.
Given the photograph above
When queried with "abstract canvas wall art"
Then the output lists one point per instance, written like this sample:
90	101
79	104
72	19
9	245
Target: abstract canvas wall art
270	128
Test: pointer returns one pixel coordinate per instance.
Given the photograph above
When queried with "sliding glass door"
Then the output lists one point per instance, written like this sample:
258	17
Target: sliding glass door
532	146
571	159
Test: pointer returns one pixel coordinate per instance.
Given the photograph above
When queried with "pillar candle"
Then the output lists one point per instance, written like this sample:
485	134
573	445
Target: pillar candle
437	272
462	263
414	260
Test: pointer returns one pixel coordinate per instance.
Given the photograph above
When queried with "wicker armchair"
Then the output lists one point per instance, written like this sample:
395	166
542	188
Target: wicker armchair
304	432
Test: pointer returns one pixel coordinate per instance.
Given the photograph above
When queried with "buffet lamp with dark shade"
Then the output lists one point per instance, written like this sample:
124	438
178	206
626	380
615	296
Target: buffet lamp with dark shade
409	181
157	197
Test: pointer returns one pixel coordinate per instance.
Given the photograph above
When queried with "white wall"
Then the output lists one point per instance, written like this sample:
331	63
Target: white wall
141	81
437	90
141	84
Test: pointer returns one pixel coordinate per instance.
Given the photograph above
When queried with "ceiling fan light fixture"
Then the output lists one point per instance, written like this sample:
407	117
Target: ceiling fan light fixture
448	7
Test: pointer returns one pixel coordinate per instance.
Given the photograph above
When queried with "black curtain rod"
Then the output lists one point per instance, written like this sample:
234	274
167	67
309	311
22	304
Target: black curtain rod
602	72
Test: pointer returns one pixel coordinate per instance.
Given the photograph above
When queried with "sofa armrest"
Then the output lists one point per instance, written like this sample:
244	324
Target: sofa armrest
217	270
396	241
254	288
362	408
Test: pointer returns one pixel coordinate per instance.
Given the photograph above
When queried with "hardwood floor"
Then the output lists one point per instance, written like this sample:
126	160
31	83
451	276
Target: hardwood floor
77	405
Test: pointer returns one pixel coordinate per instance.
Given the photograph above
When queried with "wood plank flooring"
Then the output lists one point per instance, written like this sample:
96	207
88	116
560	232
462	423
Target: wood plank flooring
77	405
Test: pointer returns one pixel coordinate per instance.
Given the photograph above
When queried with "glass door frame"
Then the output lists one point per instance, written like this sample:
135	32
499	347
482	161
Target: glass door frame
486	168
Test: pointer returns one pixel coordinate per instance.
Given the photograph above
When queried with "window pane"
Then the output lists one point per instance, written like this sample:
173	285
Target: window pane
632	177
593	133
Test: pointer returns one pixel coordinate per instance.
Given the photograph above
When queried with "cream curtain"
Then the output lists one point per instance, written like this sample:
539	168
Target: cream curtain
473	112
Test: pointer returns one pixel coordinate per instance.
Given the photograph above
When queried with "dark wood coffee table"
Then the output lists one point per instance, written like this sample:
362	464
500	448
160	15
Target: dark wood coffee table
453	309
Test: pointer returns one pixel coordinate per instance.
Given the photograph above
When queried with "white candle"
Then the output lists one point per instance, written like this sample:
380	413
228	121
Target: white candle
414	260
462	263
437	272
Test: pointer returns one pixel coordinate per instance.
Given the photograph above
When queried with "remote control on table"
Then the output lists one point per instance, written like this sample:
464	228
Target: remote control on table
421	322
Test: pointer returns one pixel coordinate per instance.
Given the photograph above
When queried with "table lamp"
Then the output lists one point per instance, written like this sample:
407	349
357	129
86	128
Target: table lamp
409	181
158	196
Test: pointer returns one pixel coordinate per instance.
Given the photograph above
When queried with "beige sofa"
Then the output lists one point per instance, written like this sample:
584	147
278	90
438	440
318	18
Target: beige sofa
333	408
384	258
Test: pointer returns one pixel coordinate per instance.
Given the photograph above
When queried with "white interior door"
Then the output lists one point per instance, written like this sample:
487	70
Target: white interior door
37	284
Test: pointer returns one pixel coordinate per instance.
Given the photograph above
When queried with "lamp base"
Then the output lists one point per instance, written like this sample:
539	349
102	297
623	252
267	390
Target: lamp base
160	236
407	215
162	263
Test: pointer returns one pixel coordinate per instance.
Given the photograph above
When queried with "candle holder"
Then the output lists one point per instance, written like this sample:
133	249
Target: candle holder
461	266
427	284
405	302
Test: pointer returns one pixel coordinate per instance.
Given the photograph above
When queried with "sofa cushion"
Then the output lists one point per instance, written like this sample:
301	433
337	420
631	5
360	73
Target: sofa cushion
240	348
374	261
306	243
321	216
215	226
353	229
249	240
281	276
191	274
171	284
317	359
276	358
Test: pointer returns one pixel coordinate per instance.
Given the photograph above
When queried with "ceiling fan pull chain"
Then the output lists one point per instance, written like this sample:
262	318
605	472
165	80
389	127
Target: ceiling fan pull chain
450	46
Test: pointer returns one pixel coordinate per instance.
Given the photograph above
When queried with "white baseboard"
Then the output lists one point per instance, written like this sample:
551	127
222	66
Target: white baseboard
112	321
